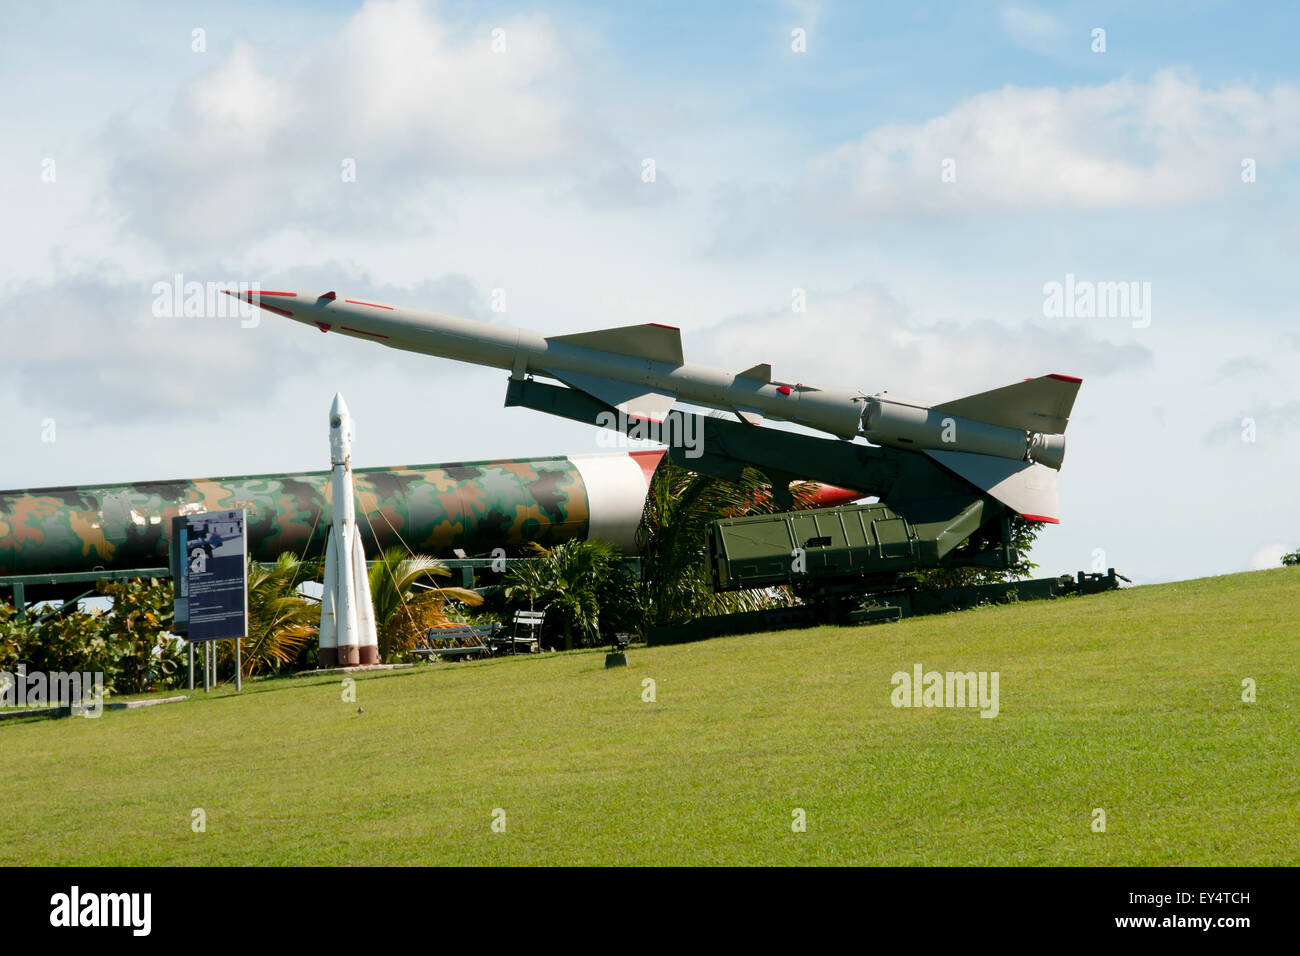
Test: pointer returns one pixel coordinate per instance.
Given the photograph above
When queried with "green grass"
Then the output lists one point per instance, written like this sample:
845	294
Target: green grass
1129	701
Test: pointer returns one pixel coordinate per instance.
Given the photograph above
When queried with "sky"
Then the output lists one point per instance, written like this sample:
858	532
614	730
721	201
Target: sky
918	177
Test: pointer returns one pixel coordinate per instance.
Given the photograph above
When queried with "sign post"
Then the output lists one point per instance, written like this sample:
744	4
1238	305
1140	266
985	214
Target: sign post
210	572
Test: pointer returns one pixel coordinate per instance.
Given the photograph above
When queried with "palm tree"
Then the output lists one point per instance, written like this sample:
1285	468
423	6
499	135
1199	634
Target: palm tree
404	606
527	580
280	618
673	541
584	583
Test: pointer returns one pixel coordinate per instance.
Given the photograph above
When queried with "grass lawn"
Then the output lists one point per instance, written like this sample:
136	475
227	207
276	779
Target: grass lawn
1130	702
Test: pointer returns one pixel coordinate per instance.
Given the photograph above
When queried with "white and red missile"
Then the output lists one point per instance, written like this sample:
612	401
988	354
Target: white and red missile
347	612
1009	441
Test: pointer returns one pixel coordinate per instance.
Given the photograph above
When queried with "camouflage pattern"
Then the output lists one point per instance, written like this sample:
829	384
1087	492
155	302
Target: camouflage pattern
432	509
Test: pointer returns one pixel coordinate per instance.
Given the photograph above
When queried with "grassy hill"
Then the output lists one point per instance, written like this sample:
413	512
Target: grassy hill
1129	701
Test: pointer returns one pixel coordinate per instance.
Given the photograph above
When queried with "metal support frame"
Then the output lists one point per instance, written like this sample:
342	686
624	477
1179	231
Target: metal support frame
911	483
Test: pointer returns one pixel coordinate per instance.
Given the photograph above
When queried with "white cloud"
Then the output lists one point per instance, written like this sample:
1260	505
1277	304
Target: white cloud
129	364
866	339
418	103
1269	556
1125	143
1031	28
1262	422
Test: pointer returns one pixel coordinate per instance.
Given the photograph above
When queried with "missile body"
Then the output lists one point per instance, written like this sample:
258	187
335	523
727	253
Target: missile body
473	506
347	612
1008	442
639	369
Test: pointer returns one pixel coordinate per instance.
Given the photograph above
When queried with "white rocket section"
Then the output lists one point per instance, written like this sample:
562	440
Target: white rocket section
347	615
616	492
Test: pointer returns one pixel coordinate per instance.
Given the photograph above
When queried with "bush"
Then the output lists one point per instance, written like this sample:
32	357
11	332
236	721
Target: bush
131	645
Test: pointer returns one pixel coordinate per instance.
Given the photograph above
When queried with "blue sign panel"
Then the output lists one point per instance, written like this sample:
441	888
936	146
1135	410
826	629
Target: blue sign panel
211	556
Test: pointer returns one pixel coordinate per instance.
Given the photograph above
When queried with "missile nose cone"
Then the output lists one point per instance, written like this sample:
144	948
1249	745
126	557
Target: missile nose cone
340	430
340	417
281	303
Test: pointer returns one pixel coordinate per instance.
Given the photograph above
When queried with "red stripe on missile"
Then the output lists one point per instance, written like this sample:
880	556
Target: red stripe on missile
239	294
269	308
1041	518
1066	378
374	335
660	325
373	305
648	460
323	327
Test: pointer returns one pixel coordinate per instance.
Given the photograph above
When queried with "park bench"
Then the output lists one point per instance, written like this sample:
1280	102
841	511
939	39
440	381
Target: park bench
525	634
479	636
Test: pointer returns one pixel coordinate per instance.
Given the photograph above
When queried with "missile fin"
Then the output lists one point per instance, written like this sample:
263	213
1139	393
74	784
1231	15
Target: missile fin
750	416
762	372
1040	404
367	638
1025	487
659	343
329	634
636	401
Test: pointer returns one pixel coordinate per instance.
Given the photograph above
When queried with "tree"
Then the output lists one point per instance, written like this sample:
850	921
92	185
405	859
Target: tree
583	583
674	545
281	619
404	606
1023	533
130	645
138	629
1291	560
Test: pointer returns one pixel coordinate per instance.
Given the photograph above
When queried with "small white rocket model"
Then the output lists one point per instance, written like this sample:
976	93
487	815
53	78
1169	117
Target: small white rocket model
347	613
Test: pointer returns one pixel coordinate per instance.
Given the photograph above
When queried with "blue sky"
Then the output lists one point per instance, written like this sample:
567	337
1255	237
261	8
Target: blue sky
775	170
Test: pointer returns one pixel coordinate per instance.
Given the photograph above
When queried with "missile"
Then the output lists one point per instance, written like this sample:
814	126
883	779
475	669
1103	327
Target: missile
1009	442
347	612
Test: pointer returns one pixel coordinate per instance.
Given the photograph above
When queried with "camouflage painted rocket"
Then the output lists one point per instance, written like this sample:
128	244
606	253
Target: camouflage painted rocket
432	509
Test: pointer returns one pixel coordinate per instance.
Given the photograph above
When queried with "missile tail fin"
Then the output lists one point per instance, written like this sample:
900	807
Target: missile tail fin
1026	487
659	343
1040	404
